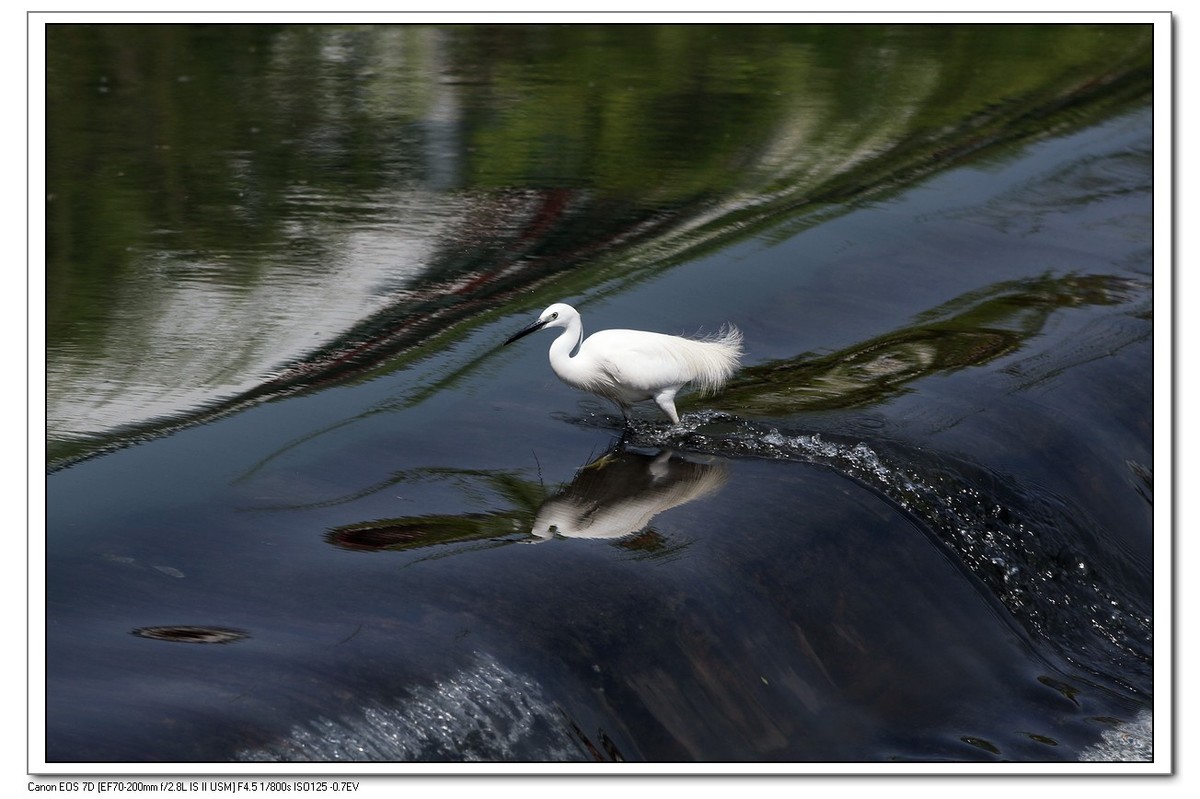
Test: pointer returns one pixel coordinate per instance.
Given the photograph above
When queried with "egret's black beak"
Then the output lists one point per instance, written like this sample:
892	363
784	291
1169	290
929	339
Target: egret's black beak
533	328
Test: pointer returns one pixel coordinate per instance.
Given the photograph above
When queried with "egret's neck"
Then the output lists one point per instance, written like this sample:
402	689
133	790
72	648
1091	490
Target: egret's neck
561	361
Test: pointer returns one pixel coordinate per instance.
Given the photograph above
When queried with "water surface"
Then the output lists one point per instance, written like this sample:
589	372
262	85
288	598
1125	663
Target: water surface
302	506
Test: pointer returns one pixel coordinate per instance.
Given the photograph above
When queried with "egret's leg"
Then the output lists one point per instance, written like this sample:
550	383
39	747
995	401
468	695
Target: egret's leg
666	400
625	421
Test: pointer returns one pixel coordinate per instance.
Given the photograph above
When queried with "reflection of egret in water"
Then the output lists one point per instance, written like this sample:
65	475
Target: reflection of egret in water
619	494
614	496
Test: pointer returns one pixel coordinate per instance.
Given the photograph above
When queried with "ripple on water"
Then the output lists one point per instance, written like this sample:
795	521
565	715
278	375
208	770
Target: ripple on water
1020	540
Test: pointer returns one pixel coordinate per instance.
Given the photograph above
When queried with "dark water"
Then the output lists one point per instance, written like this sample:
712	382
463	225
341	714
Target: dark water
302	506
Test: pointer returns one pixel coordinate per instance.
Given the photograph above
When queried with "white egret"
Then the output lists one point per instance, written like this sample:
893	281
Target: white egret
628	366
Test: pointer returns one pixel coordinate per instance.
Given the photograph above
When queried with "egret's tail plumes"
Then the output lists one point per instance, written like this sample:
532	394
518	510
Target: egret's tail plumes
713	360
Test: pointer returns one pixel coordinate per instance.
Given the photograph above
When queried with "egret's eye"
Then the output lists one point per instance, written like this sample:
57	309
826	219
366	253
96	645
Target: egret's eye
554	315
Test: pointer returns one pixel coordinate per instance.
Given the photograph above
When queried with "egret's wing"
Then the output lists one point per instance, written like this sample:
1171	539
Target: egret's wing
607	377
640	361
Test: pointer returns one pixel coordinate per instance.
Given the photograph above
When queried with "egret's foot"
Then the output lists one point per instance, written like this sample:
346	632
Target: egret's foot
600	462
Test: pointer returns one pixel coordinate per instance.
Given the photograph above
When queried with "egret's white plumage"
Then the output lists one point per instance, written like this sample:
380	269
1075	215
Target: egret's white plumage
628	366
